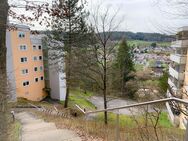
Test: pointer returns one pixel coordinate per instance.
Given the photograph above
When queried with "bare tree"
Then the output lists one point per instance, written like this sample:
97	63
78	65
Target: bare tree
177	8
148	129
97	58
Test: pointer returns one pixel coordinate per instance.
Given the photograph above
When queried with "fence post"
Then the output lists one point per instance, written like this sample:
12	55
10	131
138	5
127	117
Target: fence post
117	136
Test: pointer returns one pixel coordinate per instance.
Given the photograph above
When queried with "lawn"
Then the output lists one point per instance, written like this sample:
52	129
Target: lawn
128	121
147	43
138	67
80	98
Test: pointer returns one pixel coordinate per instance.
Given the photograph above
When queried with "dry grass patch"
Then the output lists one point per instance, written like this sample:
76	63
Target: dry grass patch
97	131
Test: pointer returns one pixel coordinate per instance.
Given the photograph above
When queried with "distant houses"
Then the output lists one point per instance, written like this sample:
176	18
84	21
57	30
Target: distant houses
156	58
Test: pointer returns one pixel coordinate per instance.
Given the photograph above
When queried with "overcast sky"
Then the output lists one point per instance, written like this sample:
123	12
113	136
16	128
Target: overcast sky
143	15
140	15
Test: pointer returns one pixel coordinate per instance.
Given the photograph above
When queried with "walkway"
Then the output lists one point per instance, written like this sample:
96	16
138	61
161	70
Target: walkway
34	129
98	102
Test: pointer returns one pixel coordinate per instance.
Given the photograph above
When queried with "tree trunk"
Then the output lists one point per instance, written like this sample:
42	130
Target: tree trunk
68	60
68	74
105	107
122	83
105	88
3	76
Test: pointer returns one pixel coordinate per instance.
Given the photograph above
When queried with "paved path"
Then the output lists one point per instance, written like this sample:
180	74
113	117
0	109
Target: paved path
34	129
98	102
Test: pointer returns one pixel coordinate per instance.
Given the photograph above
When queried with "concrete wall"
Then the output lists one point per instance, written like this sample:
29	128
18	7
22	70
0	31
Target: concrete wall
10	68
57	83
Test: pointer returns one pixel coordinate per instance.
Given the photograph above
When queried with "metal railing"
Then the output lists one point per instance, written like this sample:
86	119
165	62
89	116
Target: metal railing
165	100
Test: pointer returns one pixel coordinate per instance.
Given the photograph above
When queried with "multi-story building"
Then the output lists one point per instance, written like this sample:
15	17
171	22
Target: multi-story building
178	73
25	65
54	76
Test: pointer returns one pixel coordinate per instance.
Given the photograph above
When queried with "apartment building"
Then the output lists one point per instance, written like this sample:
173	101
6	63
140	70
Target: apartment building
25	65
178	74
54	76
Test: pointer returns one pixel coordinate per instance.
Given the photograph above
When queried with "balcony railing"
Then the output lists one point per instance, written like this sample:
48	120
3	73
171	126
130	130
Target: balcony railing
176	74
180	44
180	59
172	84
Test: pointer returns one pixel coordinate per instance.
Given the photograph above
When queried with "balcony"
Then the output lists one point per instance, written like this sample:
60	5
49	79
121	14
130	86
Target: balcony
171	84
174	73
180	44
180	59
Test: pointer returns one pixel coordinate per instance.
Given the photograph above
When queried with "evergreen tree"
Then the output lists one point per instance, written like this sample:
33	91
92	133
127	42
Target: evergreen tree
124	64
69	28
163	83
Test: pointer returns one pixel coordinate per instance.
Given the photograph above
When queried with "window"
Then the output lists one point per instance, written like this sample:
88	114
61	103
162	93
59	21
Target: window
41	68
34	47
35	69
23	59
23	47
26	83
35	58
41	78
24	71
39	47
40	57
36	79
21	34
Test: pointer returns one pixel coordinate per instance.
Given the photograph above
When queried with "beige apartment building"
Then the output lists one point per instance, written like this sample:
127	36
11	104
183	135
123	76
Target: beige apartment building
178	74
25	66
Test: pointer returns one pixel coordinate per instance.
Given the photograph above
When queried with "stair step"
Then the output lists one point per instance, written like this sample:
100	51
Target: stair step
52	135
43	126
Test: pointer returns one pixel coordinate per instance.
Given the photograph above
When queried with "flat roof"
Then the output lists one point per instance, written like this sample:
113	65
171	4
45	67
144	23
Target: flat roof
19	26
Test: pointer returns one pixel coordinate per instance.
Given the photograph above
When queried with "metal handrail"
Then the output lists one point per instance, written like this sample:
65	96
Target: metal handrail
136	105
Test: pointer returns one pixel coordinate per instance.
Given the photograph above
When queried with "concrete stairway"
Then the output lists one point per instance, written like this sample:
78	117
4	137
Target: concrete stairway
34	129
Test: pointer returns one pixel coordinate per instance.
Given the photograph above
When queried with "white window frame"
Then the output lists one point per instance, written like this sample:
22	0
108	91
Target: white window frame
24	71
42	79
41	58
35	57
40	46
25	82
22	34
35	47
23	49
41	68
35	79
24	59
34	69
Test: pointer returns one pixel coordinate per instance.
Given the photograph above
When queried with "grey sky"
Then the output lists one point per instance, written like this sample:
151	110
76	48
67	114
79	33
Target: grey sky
140	15
143	15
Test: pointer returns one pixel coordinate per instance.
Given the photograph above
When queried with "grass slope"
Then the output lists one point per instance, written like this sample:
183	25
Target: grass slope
147	43
80	98
128	121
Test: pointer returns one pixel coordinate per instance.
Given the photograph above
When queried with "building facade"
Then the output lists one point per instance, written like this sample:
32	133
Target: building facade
25	64
178	74
55	80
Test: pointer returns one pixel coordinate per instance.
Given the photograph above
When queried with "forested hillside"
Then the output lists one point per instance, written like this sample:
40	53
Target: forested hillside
157	37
